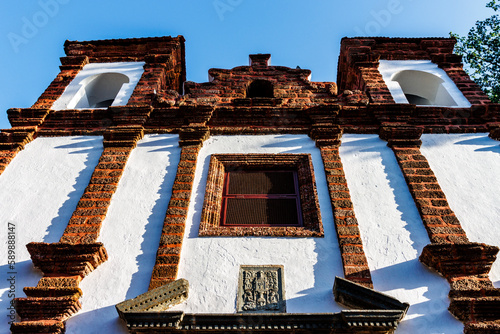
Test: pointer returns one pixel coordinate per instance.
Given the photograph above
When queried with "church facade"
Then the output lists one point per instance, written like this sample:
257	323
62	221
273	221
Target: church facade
138	202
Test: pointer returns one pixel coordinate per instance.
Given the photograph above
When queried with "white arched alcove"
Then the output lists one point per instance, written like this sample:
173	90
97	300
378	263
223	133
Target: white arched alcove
420	82
98	91
100	85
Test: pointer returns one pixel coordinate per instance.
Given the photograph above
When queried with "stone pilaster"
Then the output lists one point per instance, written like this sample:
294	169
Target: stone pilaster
346	225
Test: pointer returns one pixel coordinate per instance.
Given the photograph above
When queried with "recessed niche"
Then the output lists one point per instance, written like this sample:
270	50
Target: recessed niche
260	88
100	85
420	82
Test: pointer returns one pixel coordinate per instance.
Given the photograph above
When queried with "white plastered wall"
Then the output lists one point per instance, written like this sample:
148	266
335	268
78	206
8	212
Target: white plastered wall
393	235
76	89
389	69
211	264
39	191
131	235
467	167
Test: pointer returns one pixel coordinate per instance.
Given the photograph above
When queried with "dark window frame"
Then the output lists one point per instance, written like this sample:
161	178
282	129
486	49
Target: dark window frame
210	224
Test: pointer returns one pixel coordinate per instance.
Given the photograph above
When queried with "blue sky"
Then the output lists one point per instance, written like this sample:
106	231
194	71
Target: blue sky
219	33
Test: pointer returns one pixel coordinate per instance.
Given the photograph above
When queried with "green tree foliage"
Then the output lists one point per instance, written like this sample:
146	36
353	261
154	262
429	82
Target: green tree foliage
481	52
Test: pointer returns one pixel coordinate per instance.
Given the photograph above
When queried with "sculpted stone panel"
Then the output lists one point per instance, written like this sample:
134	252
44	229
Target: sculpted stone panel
261	289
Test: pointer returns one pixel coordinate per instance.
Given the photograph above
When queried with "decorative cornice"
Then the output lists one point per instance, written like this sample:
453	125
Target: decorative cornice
344	322
142	316
155	300
358	297
42	326
47	308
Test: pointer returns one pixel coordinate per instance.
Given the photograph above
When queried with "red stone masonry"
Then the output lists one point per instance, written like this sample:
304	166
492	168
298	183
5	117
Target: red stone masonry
351	246
11	142
70	67
358	63
439	220
164	56
237	112
5	158
168	254
86	221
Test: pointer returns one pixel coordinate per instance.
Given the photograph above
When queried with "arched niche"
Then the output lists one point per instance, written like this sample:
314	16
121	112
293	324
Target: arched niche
99	85
421	82
99	91
423	88
260	88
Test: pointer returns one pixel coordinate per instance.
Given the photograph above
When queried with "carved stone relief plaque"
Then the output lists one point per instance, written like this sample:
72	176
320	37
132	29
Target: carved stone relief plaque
261	289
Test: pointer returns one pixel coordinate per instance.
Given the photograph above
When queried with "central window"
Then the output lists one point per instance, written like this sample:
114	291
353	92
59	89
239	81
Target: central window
261	195
261	198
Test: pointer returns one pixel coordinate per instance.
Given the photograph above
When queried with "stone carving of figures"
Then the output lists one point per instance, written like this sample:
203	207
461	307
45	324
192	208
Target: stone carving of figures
248	276
249	301
261	301
260	282
273	297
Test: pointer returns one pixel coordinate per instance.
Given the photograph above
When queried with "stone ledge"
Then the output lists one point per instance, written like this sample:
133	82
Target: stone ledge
193	135
477	309
345	322
47	308
360	297
453	260
67	259
487	327
158	299
44	326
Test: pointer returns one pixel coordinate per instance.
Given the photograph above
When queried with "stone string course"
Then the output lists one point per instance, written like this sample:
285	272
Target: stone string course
361	104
